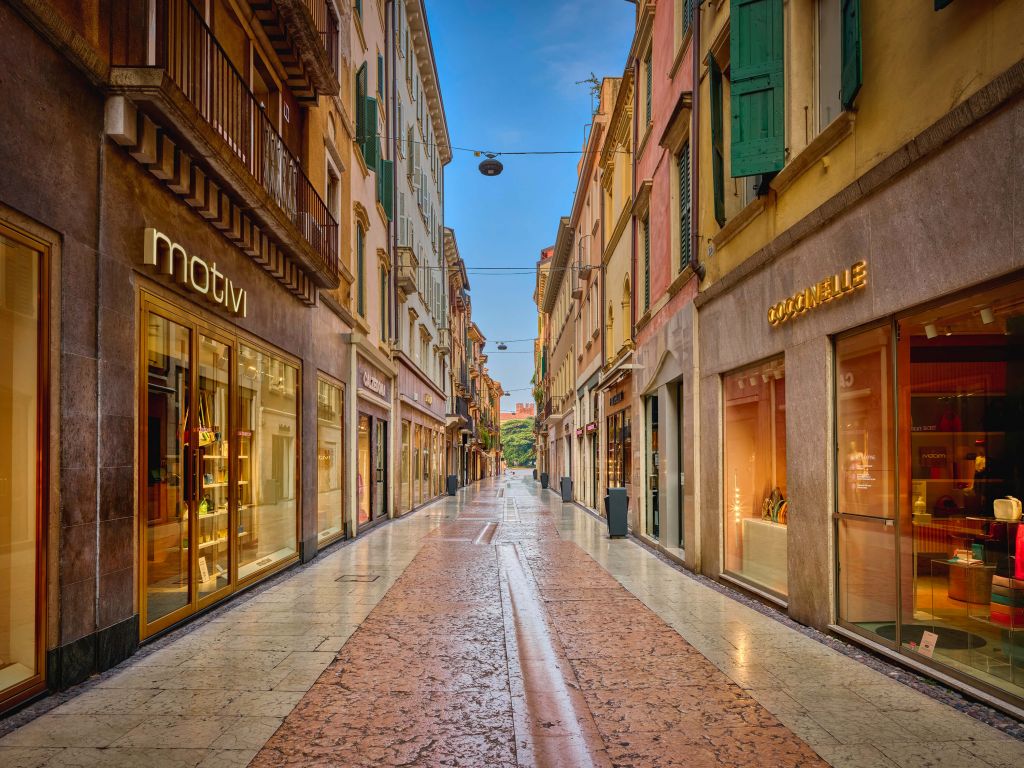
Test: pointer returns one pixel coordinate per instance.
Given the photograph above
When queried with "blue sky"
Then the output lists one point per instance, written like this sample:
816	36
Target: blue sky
508	71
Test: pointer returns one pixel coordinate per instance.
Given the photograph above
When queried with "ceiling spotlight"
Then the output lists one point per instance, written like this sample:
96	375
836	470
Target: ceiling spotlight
987	315
949	331
491	166
741	383
930	331
753	381
764	378
502	346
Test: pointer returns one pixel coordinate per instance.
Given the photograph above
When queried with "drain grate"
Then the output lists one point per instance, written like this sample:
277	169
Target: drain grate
360	577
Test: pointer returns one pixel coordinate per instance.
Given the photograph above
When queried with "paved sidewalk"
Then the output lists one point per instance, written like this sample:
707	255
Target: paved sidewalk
500	628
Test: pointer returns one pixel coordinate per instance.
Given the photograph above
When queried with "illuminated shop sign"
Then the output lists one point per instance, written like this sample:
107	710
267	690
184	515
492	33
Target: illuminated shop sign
831	288
193	273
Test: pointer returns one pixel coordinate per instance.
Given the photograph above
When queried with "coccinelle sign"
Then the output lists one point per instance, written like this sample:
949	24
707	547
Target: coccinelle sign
831	288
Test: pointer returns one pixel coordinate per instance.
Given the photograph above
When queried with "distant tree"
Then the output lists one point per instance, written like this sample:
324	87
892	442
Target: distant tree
517	443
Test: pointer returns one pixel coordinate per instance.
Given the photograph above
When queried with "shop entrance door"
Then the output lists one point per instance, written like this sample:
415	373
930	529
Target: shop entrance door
653	511
681	474
380	490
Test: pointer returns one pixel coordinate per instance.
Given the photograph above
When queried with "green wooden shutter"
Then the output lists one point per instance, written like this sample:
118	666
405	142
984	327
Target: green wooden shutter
647	263
684	206
371	142
380	74
360	271
360	104
717	131
386	194
940	4
851	77
649	86
758	141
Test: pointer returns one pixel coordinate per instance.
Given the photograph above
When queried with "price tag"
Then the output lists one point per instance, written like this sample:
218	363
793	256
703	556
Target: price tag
928	641
204	571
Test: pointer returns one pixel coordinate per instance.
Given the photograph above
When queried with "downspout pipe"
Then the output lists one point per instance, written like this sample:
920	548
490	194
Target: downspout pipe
695	264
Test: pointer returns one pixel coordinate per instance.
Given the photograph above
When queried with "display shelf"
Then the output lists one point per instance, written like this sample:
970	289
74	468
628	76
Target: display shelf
215	542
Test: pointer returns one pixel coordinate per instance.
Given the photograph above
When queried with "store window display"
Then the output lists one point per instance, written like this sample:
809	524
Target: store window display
755	503
21	461
956	416
329	461
267	461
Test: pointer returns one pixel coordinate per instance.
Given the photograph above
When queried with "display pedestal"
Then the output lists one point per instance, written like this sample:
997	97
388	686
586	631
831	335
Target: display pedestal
765	553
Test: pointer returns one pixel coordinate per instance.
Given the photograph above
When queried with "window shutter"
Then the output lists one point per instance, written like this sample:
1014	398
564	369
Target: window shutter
684	206
649	86
758	97
360	105
360	271
380	74
385	188
940	4
851	79
717	152
647	263
371	142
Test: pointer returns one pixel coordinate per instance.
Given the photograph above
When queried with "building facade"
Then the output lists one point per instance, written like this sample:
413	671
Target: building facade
816	378
207	377
422	336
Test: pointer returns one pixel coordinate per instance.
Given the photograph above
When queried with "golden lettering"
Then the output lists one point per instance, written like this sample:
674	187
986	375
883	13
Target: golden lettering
834	287
859	273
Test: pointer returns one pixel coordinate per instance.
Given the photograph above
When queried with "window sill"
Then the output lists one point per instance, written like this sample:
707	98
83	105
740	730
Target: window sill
680	280
359	29
833	135
739	222
648	130
679	51
643	320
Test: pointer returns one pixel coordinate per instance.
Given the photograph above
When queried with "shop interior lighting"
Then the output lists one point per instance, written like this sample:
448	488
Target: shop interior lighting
764	378
741	384
949	331
753	381
987	315
930	331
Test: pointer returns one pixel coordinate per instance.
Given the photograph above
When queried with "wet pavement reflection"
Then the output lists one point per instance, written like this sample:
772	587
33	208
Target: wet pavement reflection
502	645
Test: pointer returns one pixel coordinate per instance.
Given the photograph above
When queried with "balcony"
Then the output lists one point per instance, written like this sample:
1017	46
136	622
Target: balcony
408	268
304	34
444	341
192	121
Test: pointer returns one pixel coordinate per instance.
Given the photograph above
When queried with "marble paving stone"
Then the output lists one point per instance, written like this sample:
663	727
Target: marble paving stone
430	665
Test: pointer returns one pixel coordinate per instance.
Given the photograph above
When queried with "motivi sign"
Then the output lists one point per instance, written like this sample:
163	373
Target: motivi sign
831	288
193	272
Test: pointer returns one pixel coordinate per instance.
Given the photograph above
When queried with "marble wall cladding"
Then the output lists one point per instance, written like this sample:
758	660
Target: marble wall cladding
710	491
809	461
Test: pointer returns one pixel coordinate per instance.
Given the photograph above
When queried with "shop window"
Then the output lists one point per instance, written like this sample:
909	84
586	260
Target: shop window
169	468
417	466
267	488
754	494
406	477
955	420
214	464
330	464
363	477
21	464
619	449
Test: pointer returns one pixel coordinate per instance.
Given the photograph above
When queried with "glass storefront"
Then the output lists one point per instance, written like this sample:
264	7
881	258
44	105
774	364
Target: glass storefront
330	464
219	497
21	465
619	450
417	466
937	554
363	477
754	496
652	501
406	480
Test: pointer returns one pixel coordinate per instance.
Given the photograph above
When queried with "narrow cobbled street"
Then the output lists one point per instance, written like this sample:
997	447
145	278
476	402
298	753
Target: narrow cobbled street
497	628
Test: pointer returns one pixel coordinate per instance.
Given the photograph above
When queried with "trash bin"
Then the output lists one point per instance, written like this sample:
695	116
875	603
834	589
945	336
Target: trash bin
566	487
616	504
452	484
543	479
534	473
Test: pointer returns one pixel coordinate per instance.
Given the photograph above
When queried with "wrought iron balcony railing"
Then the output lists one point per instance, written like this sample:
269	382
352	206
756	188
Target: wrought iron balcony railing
177	40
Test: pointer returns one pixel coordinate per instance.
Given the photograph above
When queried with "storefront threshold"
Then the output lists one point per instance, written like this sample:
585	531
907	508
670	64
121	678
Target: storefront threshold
675	554
929	671
751	589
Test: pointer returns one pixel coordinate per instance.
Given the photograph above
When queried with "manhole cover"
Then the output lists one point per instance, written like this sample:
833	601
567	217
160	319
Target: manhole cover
357	577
